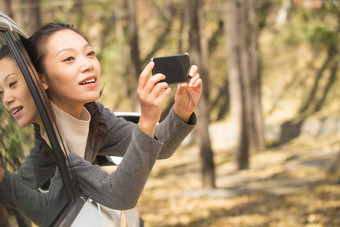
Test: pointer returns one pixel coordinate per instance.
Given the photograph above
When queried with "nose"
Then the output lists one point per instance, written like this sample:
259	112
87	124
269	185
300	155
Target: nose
7	99
86	64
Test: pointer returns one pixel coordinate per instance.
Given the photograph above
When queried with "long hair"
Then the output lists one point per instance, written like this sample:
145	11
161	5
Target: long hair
36	48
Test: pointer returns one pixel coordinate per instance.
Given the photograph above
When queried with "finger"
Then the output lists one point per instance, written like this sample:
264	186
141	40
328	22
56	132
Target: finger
159	87
183	85
193	70
162	97
144	75
193	80
198	83
153	81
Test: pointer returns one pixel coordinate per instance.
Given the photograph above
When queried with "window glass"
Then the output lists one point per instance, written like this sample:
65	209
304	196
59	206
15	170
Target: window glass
15	141
26	171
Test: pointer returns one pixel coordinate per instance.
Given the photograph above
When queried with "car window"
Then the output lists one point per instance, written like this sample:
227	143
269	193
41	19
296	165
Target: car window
15	141
27	170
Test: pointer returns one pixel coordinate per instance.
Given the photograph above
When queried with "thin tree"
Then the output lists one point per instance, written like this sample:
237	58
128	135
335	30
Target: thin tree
198	56
241	31
134	52
14	11
34	13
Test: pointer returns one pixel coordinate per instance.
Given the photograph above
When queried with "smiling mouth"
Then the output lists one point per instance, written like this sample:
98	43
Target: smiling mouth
90	81
17	110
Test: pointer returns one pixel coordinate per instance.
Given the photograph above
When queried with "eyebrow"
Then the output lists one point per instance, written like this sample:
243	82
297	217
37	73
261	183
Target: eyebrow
71	49
8	75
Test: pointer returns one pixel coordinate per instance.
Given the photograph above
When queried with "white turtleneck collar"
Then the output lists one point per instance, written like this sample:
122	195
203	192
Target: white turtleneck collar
73	131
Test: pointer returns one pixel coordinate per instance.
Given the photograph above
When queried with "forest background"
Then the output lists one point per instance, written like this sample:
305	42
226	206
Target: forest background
266	149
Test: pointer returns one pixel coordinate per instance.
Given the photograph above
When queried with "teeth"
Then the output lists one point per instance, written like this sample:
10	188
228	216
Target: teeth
88	82
16	110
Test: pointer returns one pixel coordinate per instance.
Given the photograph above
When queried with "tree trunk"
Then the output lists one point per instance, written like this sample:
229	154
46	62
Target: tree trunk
5	6
255	79
34	14
198	55
244	78
15	11
134	53
333	172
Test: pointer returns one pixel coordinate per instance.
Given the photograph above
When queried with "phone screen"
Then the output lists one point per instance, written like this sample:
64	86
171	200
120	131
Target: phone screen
174	67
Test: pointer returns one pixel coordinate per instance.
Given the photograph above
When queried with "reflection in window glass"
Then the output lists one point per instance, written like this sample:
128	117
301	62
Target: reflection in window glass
15	143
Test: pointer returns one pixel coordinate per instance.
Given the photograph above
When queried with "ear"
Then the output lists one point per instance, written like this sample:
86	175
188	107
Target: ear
44	81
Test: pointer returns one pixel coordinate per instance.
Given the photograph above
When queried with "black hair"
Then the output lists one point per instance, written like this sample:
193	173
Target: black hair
5	52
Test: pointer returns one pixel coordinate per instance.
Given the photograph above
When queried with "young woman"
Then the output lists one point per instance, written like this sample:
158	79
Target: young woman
71	73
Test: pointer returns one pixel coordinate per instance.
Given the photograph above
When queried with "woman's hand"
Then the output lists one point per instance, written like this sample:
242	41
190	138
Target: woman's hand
188	95
151	97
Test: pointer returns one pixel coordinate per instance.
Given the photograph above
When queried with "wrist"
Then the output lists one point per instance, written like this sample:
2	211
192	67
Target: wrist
184	116
147	127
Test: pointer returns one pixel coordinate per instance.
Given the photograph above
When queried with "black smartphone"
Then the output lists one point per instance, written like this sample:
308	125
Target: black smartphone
174	67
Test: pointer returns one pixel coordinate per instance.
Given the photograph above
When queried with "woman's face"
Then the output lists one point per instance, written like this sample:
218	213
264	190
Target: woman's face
15	94
72	71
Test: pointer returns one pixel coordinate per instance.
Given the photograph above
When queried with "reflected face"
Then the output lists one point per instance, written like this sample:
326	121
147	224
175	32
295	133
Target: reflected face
15	94
72	71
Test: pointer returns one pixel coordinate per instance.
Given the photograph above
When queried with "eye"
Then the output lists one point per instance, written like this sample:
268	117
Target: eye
91	53
68	59
11	84
1	93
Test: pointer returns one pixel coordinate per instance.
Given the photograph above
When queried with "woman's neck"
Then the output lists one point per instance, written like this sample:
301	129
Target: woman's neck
73	110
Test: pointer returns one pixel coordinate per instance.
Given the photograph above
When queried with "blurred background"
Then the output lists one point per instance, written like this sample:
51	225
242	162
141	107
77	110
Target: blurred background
266	148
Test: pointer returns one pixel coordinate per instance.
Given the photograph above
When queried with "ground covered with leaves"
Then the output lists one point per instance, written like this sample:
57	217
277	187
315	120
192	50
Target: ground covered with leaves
286	185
